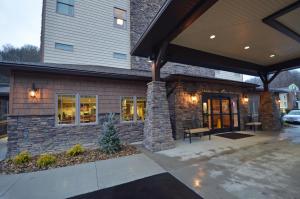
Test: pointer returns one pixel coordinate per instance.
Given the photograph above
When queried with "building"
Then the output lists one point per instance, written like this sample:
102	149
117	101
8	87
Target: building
4	92
53	106
289	98
100	33
87	73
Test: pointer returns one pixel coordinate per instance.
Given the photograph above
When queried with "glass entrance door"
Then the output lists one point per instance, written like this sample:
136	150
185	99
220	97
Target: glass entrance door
220	113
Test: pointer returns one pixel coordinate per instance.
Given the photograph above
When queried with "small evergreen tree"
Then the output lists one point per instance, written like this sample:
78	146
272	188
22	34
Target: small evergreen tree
110	142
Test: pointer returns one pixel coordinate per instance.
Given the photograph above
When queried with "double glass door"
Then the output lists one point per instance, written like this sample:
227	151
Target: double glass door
220	113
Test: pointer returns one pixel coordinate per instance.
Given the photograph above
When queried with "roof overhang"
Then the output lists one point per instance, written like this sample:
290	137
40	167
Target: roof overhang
78	70
270	27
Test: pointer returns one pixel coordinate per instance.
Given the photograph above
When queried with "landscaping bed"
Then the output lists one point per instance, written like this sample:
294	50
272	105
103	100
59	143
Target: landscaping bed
63	159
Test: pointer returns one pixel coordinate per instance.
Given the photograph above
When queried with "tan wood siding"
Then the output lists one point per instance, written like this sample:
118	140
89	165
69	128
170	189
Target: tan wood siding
109	92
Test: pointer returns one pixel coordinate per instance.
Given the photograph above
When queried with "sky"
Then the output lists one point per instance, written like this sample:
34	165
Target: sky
20	22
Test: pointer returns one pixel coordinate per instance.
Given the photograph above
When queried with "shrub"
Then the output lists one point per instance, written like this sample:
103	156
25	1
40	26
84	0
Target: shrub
110	142
75	150
46	160
22	158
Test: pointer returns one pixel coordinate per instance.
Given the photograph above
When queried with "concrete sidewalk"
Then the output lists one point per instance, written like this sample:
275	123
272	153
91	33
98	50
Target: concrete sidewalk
204	148
75	180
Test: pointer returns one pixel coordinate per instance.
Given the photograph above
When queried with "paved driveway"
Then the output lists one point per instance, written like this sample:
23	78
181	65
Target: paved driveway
263	171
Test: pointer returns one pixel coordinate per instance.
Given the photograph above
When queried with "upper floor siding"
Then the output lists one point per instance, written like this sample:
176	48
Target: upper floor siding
89	34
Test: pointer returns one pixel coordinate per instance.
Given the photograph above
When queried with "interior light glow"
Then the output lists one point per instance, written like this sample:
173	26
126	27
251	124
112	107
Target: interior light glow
120	22
212	36
272	55
246	47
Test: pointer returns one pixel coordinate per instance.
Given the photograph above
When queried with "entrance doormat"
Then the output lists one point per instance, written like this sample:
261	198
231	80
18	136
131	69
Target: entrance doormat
234	136
161	186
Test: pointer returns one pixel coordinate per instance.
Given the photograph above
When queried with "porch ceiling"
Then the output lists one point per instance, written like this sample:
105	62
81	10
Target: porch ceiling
270	29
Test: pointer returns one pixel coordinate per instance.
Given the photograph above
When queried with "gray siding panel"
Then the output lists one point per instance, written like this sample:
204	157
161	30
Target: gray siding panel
94	43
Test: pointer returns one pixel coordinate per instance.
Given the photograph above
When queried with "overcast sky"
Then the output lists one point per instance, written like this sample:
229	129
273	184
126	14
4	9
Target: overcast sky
20	22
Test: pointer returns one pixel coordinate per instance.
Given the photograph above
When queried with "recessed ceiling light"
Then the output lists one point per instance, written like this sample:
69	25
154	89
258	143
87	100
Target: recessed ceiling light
272	55
246	47
212	36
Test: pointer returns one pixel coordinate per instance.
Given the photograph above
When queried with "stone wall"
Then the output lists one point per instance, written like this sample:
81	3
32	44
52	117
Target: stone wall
187	114
39	134
142	13
269	112
157	129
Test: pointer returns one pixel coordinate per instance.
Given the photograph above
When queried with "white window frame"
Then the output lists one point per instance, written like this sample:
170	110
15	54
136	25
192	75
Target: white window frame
56	109
116	55
57	44
124	27
58	2
135	109
92	123
77	110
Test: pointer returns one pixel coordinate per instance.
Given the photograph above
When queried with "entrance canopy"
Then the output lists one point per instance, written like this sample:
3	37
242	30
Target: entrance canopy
254	37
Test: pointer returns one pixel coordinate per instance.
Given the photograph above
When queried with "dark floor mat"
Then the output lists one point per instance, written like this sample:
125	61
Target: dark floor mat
161	186
234	136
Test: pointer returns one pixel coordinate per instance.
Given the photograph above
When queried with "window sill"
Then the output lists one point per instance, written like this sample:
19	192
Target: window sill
131	122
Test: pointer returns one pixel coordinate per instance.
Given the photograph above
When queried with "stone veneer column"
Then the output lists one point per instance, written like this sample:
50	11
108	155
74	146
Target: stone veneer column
269	112
157	127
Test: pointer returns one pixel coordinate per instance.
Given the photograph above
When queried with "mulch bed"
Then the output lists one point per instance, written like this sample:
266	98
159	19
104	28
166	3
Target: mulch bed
234	136
62	160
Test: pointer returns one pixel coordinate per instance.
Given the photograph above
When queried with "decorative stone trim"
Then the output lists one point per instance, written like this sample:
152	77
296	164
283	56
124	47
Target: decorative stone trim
157	129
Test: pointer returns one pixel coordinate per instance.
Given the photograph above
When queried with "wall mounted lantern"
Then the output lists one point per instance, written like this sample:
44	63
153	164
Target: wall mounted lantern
194	98
245	98
33	91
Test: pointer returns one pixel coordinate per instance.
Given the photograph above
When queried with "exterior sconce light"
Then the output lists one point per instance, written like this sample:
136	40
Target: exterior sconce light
245	98
194	98
33	91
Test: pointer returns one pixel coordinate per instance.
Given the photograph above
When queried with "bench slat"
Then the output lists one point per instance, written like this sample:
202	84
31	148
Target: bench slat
199	130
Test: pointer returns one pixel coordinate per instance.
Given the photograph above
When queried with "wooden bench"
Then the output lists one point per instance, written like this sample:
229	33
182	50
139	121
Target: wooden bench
253	125
197	131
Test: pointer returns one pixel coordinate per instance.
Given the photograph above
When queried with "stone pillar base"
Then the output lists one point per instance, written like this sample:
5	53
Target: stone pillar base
269	112
157	127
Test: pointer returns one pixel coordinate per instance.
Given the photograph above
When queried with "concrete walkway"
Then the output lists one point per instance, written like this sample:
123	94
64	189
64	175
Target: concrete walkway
204	148
75	180
254	168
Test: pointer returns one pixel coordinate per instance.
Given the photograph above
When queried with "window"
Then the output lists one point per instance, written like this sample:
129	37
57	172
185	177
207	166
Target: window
127	108
88	109
133	108
119	56
76	109
140	108
65	7
120	18
66	109
64	47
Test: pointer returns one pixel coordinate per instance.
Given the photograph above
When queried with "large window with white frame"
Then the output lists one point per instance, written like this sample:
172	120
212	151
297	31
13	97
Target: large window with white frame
76	109
133	109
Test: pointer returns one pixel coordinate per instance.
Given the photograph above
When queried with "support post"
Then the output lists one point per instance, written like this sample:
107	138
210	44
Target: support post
268	109
157	126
